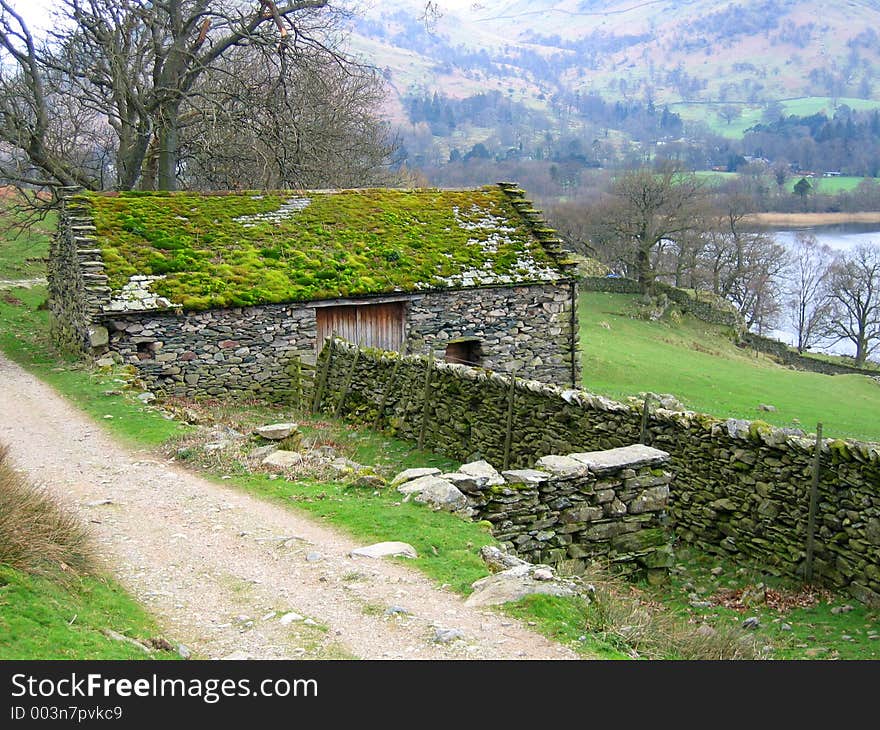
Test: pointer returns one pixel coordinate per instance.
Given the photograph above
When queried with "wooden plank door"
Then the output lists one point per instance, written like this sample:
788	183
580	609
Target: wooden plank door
368	325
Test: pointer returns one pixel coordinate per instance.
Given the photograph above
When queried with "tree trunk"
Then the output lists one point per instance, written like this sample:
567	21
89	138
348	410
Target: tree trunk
168	147
644	271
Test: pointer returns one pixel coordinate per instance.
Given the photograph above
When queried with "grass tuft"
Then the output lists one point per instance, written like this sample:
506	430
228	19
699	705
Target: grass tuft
38	536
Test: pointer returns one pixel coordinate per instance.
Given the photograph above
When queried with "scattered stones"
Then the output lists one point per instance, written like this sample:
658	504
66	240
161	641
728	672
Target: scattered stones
280	460
767	408
396	611
370	481
146	397
517	582
497	560
717	570
314	557
346	467
836	610
276	431
261	452
751	623
385	549
183	652
785	627
105	362
236	656
99	502
445	636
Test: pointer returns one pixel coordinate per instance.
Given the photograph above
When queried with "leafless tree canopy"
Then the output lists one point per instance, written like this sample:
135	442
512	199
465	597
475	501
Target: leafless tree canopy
807	301
134	93
854	293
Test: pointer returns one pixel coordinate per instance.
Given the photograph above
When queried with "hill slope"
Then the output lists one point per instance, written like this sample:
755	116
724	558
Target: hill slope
671	51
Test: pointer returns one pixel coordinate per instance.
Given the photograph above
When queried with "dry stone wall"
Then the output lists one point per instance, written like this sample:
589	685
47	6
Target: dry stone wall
740	488
607	505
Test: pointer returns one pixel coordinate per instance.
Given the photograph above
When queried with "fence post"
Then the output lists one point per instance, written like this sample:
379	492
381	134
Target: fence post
348	379
425	396
508	435
297	374
322	379
814	503
643	435
387	392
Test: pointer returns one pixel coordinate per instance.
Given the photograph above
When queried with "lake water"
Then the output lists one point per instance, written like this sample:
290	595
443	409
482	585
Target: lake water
842	237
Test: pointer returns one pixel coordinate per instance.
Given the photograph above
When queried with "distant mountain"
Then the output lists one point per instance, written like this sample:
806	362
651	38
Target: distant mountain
667	52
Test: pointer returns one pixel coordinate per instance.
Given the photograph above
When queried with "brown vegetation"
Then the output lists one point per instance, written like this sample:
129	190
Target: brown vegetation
36	534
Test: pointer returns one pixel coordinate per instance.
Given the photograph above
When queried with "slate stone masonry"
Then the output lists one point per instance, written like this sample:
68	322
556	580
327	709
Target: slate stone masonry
606	505
741	488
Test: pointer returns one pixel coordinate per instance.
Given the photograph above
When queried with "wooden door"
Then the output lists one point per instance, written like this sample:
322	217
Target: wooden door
368	325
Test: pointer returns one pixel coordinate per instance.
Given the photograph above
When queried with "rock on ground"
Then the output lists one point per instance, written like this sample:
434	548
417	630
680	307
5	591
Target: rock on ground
386	549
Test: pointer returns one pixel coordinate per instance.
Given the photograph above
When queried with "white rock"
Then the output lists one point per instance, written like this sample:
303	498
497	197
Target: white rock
417	486
385	549
410	474
442	495
282	459
483	468
276	431
289	618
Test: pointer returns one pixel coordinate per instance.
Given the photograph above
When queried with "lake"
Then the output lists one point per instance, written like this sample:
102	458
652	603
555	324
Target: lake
840	237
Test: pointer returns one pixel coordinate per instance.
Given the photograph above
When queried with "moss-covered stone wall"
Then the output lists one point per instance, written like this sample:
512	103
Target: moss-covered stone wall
740	488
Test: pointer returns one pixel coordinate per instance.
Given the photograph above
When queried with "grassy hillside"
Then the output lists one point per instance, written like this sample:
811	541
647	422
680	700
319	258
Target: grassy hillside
624	355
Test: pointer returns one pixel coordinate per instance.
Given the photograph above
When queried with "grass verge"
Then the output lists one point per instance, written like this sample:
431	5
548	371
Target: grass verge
699	363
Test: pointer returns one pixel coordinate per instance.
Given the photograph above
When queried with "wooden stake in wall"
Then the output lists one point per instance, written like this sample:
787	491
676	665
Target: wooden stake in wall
322	379
814	504
380	413
508	434
426	394
348	380
646	409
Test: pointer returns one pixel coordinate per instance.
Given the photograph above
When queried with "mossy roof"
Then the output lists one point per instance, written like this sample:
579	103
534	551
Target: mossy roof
201	251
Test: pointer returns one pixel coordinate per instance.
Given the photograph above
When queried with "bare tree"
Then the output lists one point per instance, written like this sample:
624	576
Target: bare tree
262	123
137	66
807	301
742	265
646	209
854	292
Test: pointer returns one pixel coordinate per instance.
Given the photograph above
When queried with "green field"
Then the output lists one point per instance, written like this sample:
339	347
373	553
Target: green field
699	363
21	256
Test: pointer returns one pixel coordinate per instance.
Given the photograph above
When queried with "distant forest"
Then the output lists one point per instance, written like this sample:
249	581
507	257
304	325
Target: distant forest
516	140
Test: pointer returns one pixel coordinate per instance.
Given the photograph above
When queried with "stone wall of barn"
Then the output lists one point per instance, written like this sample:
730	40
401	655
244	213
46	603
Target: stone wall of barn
258	351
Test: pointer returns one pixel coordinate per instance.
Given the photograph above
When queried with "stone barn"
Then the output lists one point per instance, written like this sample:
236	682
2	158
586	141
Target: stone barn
223	293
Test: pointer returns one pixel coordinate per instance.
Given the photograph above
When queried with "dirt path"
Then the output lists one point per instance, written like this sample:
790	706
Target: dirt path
220	569
21	283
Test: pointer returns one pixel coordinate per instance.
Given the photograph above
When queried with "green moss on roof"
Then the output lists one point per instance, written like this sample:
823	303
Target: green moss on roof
251	248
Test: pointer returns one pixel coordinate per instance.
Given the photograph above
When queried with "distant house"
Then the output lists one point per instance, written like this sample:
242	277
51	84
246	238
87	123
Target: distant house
224	293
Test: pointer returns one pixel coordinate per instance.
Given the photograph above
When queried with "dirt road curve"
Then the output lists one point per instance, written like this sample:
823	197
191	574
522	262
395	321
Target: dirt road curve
220	569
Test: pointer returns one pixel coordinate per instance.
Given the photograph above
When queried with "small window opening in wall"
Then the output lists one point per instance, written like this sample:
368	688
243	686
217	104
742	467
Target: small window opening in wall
146	350
464	352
